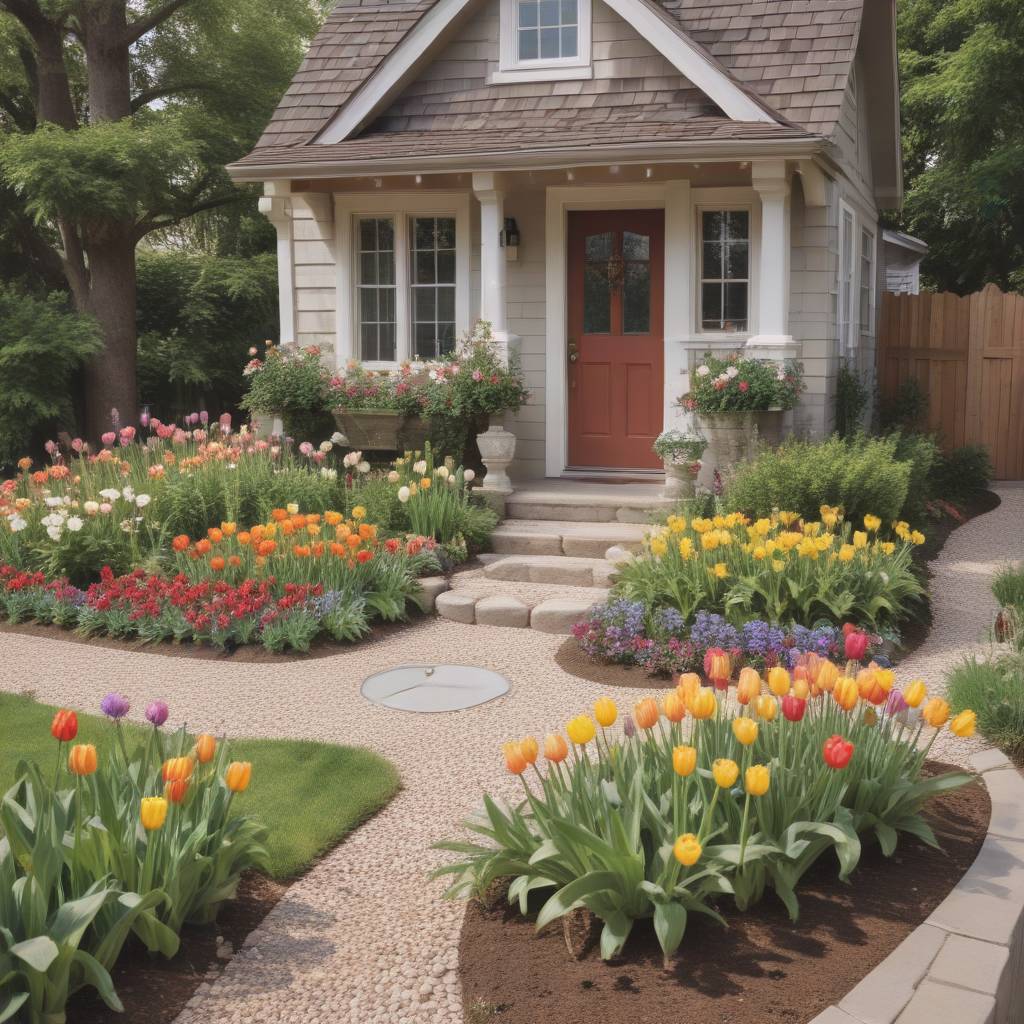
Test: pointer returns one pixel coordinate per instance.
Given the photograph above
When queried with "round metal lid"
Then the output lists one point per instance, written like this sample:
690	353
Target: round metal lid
431	688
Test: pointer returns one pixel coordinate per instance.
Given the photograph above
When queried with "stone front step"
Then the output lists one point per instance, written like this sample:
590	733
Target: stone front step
516	610
558	569
557	537
581	502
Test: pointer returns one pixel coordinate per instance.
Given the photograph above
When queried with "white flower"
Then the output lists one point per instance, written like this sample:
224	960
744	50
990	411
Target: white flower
469	476
363	467
54	532
780	374
403	494
128	494
75	524
142	500
126	525
393	477
110	493
442	472
326	446
53	519
451	481
339	438
731	372
703	371
17	524
91	508
54	502
432	375
329	474
419	468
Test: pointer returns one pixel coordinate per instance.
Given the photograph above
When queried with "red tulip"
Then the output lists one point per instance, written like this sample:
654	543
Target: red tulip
848	628
856	645
837	752
64	726
793	707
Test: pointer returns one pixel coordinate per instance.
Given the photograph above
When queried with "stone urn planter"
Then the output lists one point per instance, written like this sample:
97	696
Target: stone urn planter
680	480
413	434
370	429
771	425
497	449
266	425
732	436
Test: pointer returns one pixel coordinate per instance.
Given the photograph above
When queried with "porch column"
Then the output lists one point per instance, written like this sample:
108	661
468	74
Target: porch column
276	206
773	340
493	305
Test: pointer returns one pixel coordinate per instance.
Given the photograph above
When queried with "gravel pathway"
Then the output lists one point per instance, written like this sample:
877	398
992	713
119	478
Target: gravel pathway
364	937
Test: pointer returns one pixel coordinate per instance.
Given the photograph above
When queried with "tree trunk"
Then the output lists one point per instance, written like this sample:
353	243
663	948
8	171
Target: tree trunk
110	377
105	31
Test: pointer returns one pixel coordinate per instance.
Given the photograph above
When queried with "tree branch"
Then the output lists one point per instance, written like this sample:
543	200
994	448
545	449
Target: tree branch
140	26
22	117
158	92
158	223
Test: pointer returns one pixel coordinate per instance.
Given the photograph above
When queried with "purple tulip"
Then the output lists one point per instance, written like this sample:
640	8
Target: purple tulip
115	706
144	417
204	417
628	727
895	704
157	712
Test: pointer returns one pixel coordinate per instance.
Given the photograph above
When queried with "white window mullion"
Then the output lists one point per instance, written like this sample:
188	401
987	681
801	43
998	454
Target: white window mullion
403	315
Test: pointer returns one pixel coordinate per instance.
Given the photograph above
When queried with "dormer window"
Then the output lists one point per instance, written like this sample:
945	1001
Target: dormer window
544	40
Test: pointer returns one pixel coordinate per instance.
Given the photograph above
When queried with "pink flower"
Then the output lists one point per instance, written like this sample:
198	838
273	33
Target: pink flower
165	430
478	375
108	439
78	445
744	386
105	507
199	435
306	448
225	422
204	417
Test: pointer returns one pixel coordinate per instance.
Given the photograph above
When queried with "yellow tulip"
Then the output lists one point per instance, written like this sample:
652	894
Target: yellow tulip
936	712
605	712
767	708
801	689
581	730
704	704
917	537
153	812
778	681
745	730
725	772
684	760
688	688
238	775
658	547
915	693
748	686
872	523
846	693
756	780
828	673
860	539
686	549
687	850
964	724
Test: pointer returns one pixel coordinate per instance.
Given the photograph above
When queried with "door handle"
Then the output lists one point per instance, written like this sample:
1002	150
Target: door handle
574	352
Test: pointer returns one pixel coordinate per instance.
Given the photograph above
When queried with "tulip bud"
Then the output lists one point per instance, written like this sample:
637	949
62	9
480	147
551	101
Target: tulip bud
793	707
748	686
82	759
555	748
778	681
687	850
684	760
153	812
674	706
238	775
745	730
64	726
855	646
514	760
646	713
725	772
206	746
605	712
756	780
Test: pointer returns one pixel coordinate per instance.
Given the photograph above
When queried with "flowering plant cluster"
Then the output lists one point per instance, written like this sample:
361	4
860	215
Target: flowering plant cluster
289	379
778	568
695	804
131	842
622	632
435	496
735	383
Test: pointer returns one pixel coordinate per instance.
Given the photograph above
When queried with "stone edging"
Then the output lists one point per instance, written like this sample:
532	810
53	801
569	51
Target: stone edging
965	963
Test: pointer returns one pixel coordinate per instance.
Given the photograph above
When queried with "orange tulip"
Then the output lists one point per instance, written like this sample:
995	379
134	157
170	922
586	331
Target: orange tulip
646	713
828	673
266	547
528	748
674	706
748	686
82	759
870	687
215	535
181	542
175	790
688	687
178	768
217	563
206	747
704	704
238	775
203	546
846	693
936	712
605	712
719	668
767	707
514	760
555	748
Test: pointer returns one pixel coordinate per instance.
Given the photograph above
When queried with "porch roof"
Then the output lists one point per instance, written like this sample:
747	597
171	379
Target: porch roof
608	140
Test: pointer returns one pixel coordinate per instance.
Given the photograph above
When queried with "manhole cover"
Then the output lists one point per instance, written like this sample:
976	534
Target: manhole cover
434	687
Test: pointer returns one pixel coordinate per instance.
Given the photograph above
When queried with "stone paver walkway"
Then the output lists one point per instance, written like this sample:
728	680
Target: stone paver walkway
364	937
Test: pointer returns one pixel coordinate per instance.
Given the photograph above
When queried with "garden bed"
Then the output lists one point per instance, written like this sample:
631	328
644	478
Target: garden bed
762	968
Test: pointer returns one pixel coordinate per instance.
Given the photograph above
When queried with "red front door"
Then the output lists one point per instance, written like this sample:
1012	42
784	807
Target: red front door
616	338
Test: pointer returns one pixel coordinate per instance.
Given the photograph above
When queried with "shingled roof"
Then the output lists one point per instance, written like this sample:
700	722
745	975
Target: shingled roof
792	56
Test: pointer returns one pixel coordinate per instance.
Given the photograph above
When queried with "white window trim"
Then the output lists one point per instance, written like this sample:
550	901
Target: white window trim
868	330
348	208
847	344
512	69
698	229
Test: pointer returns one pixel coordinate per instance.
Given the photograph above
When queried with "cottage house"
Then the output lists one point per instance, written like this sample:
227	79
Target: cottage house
616	185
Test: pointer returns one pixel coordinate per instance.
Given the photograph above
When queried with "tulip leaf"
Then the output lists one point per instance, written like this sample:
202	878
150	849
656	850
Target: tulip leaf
669	926
39	952
617	927
575	893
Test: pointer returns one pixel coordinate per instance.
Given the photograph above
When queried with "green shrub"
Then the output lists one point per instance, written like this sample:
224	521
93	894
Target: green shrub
292	382
864	475
906	410
851	400
1008	586
42	346
920	452
994	690
961	474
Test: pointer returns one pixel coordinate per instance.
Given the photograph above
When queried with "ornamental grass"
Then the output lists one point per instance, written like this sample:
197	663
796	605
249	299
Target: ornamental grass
696	803
778	568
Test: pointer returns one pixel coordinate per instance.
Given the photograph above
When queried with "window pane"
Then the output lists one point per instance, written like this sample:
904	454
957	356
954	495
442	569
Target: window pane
368	267
386	305
368	305
385	234
423	268
549	11
528	44
636	298
423	232
527	13
368	341
376	293
446	338
423	305
597	293
735	316
736	260
712	260
446	304
598	247
446	267
738	224
635	247
368	235
713	226
711	306
385	268
386	343
425	341
570	48
549	43
569	15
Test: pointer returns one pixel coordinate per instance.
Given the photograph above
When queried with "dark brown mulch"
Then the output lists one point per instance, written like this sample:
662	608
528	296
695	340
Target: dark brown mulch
154	990
914	632
251	654
762	968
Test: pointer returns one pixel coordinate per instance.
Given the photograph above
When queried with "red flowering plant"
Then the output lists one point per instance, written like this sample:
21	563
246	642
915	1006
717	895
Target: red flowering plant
736	384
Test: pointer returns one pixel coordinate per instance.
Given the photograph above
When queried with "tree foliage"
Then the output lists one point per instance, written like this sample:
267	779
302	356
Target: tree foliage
963	138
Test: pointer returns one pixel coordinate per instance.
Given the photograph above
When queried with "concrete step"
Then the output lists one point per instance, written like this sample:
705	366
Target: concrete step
550	615
558	569
585	501
560	537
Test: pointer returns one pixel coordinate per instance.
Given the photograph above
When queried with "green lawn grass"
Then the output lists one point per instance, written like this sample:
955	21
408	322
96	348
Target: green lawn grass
310	795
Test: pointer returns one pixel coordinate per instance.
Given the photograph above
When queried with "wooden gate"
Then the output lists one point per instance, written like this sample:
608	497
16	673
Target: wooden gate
967	355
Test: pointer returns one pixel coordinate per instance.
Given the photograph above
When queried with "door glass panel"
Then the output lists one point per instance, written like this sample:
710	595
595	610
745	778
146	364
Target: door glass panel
636	283
597	292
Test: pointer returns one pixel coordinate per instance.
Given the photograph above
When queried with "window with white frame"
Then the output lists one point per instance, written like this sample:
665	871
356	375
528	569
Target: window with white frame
867	282
408	280
725	270
844	294
544	39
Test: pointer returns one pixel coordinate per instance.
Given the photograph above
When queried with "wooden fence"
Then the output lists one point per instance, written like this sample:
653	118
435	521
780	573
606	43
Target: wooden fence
967	354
